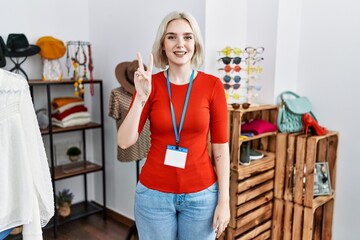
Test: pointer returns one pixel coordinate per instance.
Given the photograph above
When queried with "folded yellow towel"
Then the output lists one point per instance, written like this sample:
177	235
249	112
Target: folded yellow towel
61	101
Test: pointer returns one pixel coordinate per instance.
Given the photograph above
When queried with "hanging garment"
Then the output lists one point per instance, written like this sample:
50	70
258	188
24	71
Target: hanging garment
26	191
118	107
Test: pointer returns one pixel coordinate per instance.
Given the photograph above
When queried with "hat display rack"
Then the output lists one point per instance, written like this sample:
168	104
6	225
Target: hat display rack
79	60
242	68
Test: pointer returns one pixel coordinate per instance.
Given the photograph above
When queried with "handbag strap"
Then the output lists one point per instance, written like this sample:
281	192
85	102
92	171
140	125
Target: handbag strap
288	93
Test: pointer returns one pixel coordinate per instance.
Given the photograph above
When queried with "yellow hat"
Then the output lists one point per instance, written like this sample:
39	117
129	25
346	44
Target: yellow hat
51	48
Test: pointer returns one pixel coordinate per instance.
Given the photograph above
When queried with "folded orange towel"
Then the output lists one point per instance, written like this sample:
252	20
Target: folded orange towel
61	101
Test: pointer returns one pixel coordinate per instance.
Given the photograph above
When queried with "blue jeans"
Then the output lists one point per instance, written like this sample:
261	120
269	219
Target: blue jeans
4	233
168	216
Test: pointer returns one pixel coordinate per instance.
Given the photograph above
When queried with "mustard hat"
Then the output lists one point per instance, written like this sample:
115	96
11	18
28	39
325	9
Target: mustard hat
50	47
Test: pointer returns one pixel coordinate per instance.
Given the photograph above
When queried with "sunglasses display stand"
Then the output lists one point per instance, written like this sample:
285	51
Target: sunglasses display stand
242	71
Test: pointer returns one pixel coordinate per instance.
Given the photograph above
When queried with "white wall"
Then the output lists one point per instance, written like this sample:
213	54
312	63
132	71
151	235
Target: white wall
287	45
328	73
36	18
311	47
242	24
39	18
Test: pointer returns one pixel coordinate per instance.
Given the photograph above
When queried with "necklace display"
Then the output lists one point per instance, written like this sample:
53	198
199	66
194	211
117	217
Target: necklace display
79	59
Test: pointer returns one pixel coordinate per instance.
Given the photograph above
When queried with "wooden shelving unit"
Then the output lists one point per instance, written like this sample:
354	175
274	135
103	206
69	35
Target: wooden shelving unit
251	187
83	168
267	201
56	129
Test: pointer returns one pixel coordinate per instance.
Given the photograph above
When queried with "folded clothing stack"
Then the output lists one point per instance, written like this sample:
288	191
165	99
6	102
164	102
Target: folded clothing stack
69	111
257	126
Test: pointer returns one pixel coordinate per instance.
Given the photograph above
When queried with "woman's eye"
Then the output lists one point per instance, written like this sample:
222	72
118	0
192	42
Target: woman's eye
188	37
171	37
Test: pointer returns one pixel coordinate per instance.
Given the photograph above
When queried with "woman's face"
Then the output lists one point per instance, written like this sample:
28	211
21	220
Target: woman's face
179	43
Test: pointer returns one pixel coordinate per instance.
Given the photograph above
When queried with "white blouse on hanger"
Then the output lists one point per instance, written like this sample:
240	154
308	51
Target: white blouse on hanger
26	196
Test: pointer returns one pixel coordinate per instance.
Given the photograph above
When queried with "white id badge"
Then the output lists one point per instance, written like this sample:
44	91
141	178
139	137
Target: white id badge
175	157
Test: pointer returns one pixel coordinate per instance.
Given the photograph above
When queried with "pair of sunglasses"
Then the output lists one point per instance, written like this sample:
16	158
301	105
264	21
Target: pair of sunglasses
254	87
235	96
228	50
228	78
228	68
227	86
253	60
253	51
251	78
257	69
240	105
228	60
238	60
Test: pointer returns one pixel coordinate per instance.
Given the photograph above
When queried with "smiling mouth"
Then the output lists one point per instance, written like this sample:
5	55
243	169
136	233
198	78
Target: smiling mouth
180	53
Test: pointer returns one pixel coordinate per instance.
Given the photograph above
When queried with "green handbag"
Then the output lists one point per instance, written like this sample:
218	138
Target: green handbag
291	111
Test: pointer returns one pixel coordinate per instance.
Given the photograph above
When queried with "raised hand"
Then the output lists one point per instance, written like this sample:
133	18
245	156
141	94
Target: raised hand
142	78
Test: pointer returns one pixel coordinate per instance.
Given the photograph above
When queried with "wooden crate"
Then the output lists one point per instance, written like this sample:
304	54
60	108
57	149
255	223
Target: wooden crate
294	221
298	214
251	187
251	196
265	142
300	152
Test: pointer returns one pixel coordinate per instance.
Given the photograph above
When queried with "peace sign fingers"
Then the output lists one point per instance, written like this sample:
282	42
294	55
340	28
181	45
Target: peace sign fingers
151	63
142	78
141	65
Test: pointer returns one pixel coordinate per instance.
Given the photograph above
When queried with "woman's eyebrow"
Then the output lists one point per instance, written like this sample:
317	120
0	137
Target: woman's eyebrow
172	33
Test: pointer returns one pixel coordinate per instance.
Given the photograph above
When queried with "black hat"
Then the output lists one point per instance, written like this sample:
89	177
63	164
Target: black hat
18	46
2	53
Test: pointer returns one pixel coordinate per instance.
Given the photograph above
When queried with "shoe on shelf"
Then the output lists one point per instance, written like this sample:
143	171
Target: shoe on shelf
255	155
245	154
309	122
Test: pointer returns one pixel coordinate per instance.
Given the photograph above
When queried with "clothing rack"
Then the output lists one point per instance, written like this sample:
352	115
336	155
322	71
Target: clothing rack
133	229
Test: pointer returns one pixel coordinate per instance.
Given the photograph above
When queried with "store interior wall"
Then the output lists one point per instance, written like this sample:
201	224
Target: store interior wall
312	47
328	73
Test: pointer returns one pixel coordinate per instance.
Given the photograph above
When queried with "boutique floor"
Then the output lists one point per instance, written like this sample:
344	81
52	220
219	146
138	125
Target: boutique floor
89	228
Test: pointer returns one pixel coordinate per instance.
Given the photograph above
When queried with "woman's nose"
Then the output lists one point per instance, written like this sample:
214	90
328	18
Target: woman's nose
180	42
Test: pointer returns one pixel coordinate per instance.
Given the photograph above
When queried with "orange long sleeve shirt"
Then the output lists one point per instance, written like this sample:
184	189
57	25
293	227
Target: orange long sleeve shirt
206	112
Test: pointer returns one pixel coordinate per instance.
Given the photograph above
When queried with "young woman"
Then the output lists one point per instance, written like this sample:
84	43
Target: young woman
179	194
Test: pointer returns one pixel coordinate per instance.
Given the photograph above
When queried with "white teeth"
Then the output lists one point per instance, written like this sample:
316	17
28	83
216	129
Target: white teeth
179	53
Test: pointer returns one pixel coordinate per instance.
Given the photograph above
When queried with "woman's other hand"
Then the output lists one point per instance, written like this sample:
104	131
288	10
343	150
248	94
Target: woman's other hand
221	217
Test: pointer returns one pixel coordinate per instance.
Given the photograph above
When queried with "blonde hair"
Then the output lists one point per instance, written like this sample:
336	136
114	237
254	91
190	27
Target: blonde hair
160	58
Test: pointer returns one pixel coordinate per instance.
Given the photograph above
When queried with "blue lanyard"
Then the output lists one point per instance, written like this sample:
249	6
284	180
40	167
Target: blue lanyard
177	133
